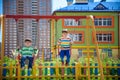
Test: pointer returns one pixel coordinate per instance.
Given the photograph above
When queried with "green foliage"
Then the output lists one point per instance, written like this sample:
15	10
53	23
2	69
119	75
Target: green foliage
108	60
9	61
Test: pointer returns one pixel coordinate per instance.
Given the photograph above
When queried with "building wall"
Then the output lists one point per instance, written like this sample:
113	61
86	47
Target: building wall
113	29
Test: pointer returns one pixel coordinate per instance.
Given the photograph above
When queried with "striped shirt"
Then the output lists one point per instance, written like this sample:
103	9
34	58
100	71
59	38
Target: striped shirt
65	43
27	51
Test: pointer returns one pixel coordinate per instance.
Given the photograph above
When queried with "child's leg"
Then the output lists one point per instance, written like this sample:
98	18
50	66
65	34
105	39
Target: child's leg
30	65
22	62
68	56
30	62
22	65
62	56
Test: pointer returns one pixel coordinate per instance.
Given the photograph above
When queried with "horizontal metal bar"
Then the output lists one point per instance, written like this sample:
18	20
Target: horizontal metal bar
108	76
43	17
8	67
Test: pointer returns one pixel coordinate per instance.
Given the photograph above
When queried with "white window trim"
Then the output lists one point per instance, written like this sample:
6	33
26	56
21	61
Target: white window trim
104	36
71	22
102	21
76	37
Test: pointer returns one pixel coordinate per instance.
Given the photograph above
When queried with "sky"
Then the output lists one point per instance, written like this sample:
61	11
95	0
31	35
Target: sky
0	6
57	4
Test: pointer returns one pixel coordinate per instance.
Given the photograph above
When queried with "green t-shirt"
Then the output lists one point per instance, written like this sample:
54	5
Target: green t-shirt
27	51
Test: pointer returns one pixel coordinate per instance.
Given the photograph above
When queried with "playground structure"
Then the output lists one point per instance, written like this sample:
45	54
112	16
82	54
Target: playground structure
54	70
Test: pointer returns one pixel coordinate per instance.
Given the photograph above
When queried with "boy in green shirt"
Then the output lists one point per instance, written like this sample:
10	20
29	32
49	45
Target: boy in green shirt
27	52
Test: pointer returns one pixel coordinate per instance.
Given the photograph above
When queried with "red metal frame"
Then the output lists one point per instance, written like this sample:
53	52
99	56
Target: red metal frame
37	17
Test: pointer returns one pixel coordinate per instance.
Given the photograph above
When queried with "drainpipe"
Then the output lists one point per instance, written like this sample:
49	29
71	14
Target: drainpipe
119	35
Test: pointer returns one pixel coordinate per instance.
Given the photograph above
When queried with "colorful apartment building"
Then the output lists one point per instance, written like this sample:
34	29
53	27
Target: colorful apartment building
106	21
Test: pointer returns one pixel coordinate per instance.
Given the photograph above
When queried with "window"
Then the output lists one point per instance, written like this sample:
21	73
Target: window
20	7
20	2
34	7
80	52
76	37
108	51
100	7
20	12
95	53
104	37
103	22
72	22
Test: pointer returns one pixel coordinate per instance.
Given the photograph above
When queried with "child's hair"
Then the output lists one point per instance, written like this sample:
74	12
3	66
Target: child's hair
64	32
28	40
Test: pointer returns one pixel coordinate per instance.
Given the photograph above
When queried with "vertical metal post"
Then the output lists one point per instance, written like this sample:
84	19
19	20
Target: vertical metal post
18	72
34	71
11	71
97	50
43	54
79	67
76	72
3	37
2	44
88	46
56	36
1	49
119	35
57	71
52	39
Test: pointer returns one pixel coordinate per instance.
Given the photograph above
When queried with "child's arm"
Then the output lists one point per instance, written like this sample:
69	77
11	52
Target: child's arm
35	52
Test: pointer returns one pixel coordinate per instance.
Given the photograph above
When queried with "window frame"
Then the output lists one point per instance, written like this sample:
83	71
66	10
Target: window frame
103	32
72	26
107	51
104	17
78	32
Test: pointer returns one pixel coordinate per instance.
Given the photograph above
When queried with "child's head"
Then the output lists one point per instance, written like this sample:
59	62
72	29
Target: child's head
64	32
28	42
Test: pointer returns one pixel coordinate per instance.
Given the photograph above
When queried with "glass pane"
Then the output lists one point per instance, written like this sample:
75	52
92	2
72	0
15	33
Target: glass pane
109	23
104	37
80	37
100	23
96	23
109	52
104	23
79	23
100	37
80	52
